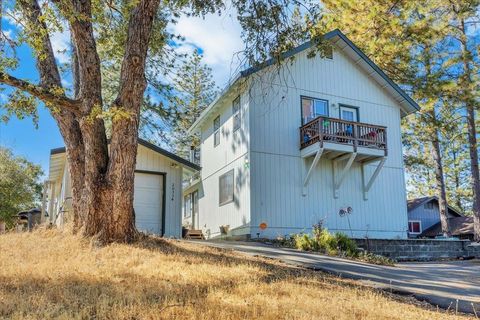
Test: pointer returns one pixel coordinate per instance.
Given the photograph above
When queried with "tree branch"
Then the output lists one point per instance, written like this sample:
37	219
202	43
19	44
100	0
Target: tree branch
41	93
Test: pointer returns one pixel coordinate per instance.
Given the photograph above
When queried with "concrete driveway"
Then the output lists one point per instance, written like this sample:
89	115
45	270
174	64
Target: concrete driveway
452	284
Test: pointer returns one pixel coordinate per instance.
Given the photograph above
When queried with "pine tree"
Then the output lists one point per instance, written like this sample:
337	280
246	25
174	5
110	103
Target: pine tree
462	14
195	90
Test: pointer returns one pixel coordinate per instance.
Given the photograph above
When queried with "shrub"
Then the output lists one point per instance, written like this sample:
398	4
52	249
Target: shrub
327	242
346	245
376	259
304	242
333	244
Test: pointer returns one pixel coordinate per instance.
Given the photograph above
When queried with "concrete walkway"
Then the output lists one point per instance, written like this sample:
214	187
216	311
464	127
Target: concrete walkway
449	285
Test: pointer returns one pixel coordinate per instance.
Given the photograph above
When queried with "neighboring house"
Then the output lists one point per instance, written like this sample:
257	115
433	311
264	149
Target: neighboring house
423	213
157	190
317	139
460	227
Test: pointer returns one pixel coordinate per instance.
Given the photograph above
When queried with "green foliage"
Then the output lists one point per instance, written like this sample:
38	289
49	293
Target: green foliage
347	245
323	241
375	259
20	187
338	244
195	90
20	105
304	242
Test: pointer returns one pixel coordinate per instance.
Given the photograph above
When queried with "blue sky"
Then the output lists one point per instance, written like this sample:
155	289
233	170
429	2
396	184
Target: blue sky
35	144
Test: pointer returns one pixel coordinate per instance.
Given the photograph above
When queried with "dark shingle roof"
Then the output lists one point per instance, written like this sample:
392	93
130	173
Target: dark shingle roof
417	202
458	226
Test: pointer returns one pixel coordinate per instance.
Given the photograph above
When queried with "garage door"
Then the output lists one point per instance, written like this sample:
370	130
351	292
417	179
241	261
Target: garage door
147	202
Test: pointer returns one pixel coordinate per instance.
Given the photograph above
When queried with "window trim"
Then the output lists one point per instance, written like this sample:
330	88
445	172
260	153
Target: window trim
239	112
419	226
215	131
189	197
220	204
312	98
340	105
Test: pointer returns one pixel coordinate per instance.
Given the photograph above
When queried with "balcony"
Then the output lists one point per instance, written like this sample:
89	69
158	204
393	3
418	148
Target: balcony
343	142
340	136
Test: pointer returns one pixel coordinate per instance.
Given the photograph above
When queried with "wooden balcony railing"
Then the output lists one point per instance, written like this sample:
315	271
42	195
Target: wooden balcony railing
357	134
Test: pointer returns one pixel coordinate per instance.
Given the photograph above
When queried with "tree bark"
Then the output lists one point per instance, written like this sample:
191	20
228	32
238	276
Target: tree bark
439	177
470	105
433	123
102	180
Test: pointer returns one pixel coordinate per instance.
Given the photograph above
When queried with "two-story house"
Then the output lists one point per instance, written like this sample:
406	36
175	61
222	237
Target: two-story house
315	139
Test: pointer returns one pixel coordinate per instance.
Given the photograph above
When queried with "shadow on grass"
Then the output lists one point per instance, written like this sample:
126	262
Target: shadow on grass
128	295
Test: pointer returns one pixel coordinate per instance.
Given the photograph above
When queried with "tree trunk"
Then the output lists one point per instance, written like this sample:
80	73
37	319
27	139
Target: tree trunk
439	177
470	104
102	179
473	148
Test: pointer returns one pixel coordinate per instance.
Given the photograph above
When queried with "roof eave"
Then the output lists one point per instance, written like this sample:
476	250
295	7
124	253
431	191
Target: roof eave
152	147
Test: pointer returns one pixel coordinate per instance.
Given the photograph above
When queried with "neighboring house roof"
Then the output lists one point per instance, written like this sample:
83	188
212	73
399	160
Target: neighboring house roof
417	202
350	49
150	146
458	226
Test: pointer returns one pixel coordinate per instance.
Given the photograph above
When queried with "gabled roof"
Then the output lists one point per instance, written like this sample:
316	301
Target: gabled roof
58	151
458	226
417	202
350	49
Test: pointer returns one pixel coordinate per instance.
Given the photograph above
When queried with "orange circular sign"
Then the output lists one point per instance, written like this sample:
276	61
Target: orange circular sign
263	226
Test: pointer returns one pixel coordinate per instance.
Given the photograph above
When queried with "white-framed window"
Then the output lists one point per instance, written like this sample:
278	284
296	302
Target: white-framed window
225	188
414	226
313	108
348	113
187	206
236	110
216	131
428	205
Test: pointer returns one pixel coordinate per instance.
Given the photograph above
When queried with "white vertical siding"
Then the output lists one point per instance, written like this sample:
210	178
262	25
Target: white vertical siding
277	170
231	153
150	160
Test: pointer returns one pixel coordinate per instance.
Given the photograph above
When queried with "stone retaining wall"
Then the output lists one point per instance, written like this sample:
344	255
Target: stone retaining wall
421	249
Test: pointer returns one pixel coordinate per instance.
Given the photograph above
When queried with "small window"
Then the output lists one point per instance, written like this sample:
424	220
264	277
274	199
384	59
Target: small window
226	188
187	206
216	131
428	205
236	114
313	108
414	227
348	113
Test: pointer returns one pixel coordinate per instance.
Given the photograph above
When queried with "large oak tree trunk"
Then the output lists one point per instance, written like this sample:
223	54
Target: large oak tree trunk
102	179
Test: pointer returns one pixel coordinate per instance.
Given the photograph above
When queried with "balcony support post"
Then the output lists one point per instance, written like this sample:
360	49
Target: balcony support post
310	170
368	185
339	177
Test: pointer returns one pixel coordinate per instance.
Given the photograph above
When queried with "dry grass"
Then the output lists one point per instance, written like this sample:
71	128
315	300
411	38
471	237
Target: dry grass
48	274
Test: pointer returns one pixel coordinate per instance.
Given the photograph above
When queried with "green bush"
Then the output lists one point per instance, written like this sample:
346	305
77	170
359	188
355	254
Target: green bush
333	244
346	245
324	241
376	259
304	242
327	242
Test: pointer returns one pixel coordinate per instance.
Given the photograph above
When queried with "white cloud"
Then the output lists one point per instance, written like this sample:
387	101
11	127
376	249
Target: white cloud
61	45
218	37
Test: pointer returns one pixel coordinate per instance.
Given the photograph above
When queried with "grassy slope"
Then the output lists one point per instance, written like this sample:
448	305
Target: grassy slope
49	274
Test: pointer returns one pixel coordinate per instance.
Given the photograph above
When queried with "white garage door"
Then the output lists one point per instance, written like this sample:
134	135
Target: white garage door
147	202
